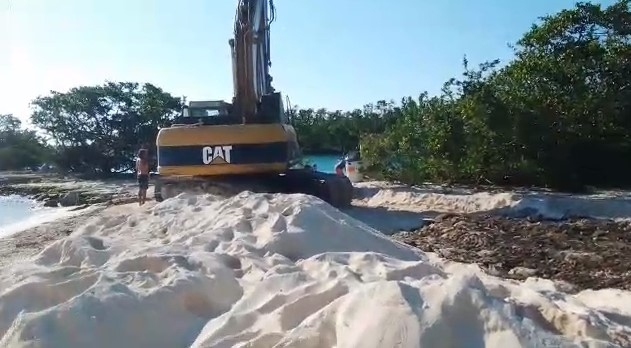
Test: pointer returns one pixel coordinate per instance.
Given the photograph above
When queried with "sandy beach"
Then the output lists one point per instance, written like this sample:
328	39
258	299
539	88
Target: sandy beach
267	270
90	198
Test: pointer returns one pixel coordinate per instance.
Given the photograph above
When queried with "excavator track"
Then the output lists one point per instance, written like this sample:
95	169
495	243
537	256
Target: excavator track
334	189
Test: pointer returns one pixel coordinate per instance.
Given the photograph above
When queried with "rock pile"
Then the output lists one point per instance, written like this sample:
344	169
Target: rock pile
53	195
56	191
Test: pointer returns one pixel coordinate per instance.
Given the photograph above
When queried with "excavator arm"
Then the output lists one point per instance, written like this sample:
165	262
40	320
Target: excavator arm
251	56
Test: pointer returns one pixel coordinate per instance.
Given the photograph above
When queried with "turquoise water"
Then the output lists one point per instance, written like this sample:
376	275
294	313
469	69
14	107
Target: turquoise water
325	163
15	208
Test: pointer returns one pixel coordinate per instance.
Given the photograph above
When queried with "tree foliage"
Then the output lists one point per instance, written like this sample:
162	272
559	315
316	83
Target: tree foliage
99	128
558	115
19	148
322	131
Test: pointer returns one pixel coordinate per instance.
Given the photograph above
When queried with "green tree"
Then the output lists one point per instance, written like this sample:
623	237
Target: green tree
558	115
325	131
577	66
98	128
19	148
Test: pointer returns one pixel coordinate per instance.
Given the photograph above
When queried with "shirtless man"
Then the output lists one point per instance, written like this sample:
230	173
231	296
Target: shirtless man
142	170
340	167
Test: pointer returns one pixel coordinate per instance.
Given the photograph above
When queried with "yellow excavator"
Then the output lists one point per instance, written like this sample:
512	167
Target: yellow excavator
249	144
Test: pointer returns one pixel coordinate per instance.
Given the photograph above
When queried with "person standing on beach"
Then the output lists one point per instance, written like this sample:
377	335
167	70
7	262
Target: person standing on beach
142	170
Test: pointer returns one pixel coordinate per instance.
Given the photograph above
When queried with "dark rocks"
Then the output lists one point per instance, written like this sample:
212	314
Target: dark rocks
70	199
80	207
587	253
522	272
56	191
51	203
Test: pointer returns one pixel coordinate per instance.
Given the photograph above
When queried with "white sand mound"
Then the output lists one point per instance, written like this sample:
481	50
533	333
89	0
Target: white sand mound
433	198
277	271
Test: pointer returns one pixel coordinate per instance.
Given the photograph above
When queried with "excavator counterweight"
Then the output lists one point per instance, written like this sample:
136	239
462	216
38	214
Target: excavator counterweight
248	144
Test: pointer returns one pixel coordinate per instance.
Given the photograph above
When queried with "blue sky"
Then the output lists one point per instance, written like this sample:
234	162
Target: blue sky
338	54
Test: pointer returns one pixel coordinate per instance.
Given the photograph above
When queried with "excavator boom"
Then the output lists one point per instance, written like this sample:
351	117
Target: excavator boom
251	55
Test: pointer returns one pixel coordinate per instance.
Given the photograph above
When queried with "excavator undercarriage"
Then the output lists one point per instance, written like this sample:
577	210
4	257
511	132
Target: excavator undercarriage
334	189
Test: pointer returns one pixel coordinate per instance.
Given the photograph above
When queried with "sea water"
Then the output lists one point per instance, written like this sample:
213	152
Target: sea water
20	213
324	163
15	208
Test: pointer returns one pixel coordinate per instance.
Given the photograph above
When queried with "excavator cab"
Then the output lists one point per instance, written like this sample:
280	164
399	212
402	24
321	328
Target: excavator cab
217	112
208	112
210	108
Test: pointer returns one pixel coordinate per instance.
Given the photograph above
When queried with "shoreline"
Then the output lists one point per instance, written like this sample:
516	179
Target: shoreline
37	215
28	242
55	190
71	201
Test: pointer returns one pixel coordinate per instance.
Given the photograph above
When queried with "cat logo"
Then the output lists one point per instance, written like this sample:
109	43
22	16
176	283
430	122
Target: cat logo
216	154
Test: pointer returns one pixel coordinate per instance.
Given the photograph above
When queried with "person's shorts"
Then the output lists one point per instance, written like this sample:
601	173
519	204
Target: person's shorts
143	182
